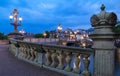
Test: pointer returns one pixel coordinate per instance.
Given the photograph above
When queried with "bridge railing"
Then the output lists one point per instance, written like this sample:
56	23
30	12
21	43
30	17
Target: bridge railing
63	59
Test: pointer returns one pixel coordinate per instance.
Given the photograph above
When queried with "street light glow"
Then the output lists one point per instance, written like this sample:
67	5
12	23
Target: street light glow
20	18
22	31
11	16
59	27
44	34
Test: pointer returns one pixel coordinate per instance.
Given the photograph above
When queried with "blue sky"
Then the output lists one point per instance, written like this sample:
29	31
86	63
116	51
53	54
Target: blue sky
41	15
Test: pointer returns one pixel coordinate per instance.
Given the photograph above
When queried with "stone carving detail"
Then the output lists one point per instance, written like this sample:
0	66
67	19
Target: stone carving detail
108	18
112	18
94	20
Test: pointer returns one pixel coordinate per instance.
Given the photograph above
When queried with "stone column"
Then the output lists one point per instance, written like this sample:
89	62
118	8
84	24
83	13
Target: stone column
103	37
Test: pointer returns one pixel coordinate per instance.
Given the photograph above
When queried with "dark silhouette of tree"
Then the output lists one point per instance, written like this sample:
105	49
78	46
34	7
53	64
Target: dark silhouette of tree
117	30
48	34
117	27
38	35
3	37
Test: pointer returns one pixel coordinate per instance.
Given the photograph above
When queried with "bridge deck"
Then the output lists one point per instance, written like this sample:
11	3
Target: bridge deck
11	66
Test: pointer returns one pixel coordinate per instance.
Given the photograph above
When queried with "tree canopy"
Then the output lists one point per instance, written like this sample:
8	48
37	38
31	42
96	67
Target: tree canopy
3	37
40	35
117	28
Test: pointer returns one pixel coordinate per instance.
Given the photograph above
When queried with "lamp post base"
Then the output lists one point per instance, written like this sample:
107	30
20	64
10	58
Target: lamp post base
16	35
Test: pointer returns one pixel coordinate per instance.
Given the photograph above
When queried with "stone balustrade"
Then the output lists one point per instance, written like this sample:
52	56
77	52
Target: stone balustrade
63	59
68	59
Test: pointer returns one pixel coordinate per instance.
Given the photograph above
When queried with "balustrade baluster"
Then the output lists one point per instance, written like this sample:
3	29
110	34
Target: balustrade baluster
21	49
76	68
68	60
35	56
24	52
53	56
32	54
25	49
86	63
28	53
48	57
60	59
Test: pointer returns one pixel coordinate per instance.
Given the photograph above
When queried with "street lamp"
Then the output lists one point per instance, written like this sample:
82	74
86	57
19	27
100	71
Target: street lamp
44	34
82	41
59	31
75	32
59	28
15	20
22	32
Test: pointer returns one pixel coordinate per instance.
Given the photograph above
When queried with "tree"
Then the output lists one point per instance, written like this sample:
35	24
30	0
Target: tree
38	35
117	30
117	27
48	34
3	37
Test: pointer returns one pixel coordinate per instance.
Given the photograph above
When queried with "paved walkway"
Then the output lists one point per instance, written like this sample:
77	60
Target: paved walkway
11	66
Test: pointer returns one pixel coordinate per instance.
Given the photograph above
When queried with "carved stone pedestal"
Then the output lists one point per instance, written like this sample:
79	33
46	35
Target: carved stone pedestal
103	37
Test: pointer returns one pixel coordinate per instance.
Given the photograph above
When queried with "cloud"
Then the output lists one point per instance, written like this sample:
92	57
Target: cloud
74	27
47	6
40	15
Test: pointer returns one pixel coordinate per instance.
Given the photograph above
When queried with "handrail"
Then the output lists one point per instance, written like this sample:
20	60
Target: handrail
69	48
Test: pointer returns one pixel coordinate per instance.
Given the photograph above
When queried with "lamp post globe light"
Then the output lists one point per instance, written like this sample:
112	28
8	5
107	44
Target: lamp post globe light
75	32
59	28
15	21
22	32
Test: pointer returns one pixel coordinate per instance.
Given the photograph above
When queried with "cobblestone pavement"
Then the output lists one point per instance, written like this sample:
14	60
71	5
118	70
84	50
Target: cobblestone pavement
11	66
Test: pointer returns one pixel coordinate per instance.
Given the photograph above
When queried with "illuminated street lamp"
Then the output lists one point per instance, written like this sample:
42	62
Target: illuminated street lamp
59	28
44	34
59	31
15	20
75	32
22	32
82	41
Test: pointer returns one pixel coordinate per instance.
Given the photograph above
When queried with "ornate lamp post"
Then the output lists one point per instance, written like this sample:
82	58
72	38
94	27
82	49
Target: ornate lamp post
15	21
59	31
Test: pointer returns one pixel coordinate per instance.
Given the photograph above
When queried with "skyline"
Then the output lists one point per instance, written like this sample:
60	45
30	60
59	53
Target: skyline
41	15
